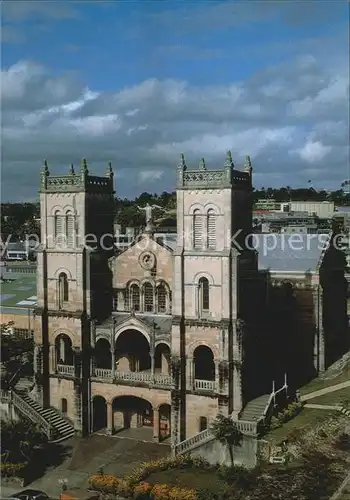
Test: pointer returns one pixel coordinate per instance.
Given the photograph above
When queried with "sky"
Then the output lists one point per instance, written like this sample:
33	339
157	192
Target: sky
137	83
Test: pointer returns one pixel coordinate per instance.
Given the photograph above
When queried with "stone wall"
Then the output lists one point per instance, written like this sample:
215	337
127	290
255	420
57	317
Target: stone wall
216	453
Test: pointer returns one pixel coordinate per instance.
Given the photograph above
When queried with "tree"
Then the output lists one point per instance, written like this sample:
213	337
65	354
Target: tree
19	441
226	431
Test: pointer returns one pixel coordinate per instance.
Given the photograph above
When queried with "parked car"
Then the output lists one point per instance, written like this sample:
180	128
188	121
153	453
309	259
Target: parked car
30	495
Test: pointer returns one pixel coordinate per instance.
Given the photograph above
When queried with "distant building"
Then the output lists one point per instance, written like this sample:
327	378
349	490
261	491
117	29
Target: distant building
322	209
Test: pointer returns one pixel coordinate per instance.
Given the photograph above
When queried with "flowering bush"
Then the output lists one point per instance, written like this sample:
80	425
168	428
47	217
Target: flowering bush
8	469
179	462
135	485
287	414
110	484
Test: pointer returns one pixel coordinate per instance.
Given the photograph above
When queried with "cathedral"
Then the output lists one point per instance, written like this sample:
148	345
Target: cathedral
171	331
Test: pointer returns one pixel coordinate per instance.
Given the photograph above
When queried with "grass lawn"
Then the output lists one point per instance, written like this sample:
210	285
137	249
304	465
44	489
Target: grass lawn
187	478
317	383
308	417
332	398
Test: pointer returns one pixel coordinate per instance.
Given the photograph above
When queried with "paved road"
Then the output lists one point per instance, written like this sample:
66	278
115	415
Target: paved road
326	390
117	456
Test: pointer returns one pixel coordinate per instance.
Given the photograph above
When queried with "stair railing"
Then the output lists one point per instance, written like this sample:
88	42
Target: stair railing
270	405
31	413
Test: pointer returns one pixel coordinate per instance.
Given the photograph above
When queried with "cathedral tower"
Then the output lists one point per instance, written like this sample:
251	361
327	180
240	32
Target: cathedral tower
73	285
212	260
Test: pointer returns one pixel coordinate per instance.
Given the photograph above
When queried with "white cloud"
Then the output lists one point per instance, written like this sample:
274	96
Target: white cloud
286	117
313	151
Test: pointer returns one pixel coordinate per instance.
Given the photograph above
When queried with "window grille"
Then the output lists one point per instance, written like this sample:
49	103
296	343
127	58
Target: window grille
161	299
148	297
135	298
211	229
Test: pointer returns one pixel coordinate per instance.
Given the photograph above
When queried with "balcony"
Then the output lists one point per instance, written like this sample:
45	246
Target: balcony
146	377
205	385
66	370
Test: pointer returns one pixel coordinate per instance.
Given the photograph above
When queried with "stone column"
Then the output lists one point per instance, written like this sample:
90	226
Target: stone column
53	365
319	347
38	373
156	425
190	374
217	375
113	360
237	391
121	301
152	362
110	423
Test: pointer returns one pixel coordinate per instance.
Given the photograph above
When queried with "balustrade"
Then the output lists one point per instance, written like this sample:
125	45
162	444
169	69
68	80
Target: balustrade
66	369
28	411
204	385
144	376
193	441
104	373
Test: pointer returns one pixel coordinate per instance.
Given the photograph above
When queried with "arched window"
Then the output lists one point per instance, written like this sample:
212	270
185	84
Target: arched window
134	298
203	424
69	228
211	229
161	299
148	297
63	293
204	366
58	225
197	230
203	295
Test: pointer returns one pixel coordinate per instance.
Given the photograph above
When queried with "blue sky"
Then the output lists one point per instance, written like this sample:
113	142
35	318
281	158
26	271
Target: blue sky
164	76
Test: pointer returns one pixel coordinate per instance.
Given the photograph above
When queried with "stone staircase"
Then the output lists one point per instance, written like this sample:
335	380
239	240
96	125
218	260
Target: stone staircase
49	419
254	410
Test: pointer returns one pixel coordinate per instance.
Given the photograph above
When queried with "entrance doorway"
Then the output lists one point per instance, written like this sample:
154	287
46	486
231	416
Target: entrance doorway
64	406
99	413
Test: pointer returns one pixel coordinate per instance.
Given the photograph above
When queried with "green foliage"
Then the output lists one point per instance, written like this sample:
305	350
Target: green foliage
287	414
19	441
8	469
226	431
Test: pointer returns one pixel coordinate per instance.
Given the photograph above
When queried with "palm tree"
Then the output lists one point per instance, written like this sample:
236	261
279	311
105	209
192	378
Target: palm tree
226	431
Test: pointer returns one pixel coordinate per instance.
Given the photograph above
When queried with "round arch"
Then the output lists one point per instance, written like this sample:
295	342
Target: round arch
147	280
63	331
132	412
204	364
63	270
69	208
211	206
194	345
163	283
194	207
137	328
132	282
202	274
56	210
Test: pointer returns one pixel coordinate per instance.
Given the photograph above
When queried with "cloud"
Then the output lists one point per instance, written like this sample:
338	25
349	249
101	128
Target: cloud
12	34
290	118
13	10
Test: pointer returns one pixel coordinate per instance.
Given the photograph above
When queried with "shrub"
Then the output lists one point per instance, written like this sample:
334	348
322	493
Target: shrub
110	484
142	491
8	469
343	442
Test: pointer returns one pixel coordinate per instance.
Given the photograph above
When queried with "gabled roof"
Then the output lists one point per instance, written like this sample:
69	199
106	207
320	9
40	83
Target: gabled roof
161	241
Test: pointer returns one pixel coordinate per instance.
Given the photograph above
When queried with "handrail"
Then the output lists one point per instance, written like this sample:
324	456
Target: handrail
273	394
29	412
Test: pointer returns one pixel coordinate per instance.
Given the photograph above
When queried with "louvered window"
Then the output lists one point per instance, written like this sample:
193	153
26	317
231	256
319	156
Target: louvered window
69	229
211	229
58	226
134	298
197	229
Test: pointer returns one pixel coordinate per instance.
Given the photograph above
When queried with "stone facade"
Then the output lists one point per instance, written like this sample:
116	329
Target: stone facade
169	332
